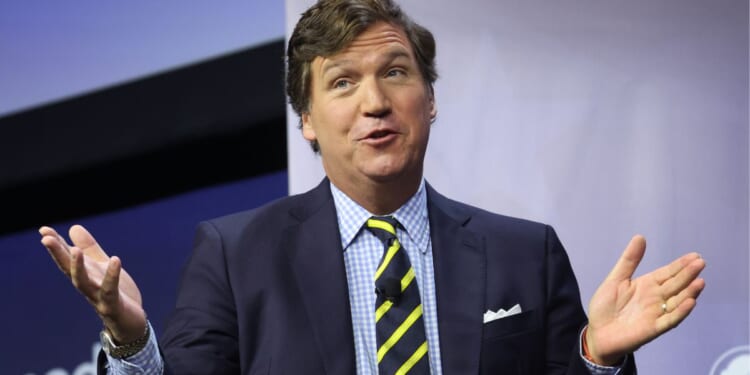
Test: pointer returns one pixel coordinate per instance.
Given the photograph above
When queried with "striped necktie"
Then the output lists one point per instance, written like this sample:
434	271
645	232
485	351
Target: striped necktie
402	347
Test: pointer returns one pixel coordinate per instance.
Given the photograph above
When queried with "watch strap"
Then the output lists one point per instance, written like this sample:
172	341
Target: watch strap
124	350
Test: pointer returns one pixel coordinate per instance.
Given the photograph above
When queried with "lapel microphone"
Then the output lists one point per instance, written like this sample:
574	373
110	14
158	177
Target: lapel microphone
389	288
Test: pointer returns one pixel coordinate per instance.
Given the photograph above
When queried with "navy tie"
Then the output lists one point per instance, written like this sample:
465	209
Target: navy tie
402	346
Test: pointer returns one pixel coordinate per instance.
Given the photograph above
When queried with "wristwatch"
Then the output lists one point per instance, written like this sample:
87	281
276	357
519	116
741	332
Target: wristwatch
126	350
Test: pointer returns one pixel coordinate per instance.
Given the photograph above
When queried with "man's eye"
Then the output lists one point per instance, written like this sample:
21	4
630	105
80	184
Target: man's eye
395	73
341	84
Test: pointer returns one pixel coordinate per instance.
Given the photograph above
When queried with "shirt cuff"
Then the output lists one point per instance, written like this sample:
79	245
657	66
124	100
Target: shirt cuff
595	369
148	361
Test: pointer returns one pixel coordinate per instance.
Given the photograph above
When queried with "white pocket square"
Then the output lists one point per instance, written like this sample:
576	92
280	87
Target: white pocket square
501	313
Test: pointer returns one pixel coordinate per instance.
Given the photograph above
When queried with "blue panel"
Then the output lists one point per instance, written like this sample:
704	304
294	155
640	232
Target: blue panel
53	49
48	325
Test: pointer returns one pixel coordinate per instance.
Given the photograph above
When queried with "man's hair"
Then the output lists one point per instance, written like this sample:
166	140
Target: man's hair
329	26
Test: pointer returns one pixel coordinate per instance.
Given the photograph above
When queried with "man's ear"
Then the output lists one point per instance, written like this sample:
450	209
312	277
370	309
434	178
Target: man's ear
307	129
433	106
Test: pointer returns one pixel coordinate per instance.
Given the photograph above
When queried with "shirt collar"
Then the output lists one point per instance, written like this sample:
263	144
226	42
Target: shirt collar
412	216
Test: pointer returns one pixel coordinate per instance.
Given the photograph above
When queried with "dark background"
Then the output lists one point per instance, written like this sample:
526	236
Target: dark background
138	164
212	122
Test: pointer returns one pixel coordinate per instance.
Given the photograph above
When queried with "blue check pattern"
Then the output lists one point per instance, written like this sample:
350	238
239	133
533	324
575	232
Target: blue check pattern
146	362
362	254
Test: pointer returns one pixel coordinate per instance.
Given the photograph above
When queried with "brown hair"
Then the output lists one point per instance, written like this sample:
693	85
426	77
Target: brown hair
330	25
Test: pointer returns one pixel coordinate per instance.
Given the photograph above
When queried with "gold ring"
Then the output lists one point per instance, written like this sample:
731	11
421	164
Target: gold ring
664	308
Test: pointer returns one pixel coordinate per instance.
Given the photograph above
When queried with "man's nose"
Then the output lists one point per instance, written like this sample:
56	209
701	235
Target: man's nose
375	100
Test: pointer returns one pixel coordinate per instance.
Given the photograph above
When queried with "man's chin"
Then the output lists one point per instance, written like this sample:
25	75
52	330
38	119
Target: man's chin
384	178
393	175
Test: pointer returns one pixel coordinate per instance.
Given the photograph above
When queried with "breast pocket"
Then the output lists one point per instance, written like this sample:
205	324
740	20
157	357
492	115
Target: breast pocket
518	324
513	345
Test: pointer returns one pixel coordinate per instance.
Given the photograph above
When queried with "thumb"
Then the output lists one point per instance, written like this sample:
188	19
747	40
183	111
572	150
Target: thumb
629	260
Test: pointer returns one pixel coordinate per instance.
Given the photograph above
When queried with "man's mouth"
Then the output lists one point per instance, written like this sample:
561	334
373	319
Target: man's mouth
379	134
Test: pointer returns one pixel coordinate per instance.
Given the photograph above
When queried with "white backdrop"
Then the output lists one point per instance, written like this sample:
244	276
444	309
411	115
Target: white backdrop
604	119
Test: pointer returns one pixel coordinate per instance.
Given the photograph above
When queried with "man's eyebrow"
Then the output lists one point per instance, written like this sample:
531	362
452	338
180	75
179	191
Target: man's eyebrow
389	57
395	54
330	64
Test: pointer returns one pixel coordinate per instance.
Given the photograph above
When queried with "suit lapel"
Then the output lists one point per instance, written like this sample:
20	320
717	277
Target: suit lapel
314	250
459	261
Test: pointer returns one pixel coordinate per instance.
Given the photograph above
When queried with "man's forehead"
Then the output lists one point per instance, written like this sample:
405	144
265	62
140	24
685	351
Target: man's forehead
379	33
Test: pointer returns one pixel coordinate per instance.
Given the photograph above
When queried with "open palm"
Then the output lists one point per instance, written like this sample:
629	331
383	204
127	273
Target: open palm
626	313
101	279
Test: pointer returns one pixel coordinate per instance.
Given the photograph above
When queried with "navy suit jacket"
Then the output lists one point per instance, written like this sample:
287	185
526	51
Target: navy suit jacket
265	292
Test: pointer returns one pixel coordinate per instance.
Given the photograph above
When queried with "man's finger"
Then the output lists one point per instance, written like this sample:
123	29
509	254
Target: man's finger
671	319
47	231
665	273
691	291
57	250
86	242
109	292
683	277
79	275
629	260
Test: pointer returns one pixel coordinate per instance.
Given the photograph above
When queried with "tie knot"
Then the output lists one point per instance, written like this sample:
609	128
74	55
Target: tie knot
383	227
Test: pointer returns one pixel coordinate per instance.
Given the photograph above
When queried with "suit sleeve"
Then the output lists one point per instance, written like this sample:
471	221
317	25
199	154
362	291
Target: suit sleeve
201	334
564	309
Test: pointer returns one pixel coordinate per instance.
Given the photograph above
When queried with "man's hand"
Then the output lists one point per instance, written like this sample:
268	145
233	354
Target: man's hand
625	314
101	280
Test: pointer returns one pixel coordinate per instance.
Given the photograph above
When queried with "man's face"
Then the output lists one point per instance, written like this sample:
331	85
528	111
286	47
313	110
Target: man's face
370	110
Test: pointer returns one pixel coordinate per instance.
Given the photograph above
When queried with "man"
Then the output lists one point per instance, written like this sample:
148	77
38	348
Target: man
288	287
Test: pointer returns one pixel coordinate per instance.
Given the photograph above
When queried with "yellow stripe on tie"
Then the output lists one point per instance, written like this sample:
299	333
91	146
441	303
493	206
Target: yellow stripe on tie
382	310
418	354
407	279
388	256
400	331
384	225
